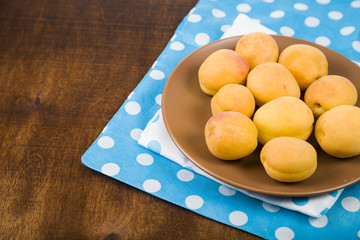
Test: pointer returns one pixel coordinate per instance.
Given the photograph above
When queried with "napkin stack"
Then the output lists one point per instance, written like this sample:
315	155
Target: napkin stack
155	131
135	148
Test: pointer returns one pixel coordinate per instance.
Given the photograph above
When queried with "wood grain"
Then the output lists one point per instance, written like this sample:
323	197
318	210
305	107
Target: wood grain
66	67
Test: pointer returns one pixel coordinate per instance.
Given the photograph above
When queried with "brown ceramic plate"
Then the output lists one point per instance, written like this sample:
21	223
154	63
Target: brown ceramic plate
186	110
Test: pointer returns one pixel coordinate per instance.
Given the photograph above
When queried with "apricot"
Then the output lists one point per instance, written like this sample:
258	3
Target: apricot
305	62
328	92
338	131
270	80
222	67
283	116
233	97
288	159
230	135
257	48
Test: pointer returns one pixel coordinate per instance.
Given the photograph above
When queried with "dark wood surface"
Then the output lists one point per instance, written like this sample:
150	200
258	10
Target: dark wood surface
66	66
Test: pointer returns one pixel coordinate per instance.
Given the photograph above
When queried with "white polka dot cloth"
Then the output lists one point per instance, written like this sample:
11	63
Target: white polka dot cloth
117	153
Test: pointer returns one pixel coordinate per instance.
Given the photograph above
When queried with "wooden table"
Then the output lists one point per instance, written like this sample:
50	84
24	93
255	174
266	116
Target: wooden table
66	66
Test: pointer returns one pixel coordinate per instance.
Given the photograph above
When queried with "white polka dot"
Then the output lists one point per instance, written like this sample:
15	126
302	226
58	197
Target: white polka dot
177	46
110	169
194	18
243	7
226	191
194	202
355	4
156	62
312	22
224	28
157	74
151	185
284	233
287	31
185	175
335	15
130	95
144	159
238	218
136	134
359	233
324	41
104	130
318	222
106	142
270	208
268	1
277	14
202	39
356	45
357	63
323	1
347	30
218	13
158	99
132	108
301	6
351	204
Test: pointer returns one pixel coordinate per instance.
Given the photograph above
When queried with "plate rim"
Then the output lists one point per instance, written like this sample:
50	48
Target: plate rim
229	181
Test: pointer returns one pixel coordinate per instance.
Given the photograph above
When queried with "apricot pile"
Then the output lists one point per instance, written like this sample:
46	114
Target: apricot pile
256	100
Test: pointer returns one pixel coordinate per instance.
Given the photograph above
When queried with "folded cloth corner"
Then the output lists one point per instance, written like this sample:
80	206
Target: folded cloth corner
243	25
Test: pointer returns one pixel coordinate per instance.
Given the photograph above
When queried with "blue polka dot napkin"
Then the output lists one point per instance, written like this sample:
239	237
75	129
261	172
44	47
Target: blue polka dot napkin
117	153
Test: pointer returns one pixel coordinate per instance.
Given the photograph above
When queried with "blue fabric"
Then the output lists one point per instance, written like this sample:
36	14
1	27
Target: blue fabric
116	153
